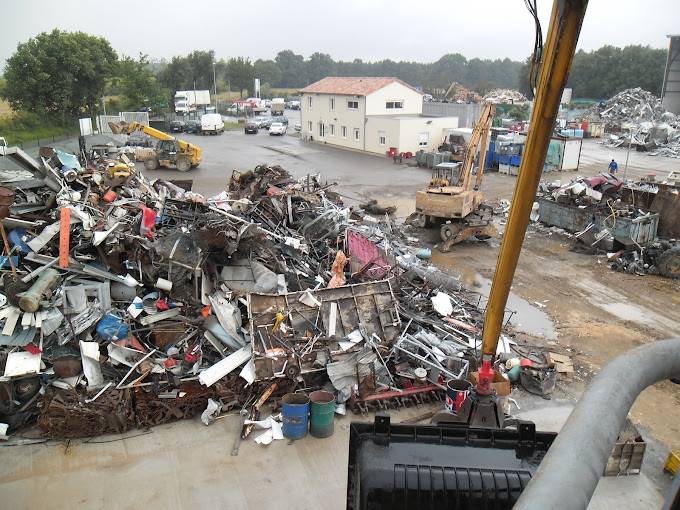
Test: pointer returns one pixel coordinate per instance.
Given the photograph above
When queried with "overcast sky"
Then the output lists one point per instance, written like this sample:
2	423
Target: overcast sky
371	30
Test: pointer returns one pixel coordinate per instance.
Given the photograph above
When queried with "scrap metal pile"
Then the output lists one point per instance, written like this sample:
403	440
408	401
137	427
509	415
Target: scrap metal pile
505	96
653	129
127	302
635	224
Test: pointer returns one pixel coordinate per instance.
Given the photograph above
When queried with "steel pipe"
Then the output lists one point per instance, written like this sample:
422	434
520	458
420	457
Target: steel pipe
574	464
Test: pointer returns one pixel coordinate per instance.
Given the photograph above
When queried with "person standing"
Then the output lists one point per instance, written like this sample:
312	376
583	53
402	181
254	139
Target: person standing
613	167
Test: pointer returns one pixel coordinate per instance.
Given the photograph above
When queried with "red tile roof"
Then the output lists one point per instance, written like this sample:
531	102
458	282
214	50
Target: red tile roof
352	86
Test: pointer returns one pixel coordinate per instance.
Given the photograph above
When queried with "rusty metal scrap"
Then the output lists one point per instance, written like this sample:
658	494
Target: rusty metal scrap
65	414
151	410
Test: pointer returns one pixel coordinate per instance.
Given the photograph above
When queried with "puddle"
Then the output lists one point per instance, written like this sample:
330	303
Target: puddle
405	206
527	318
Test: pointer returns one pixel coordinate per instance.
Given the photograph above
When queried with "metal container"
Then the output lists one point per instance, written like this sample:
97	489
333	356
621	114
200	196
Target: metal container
322	414
642	229
295	415
456	392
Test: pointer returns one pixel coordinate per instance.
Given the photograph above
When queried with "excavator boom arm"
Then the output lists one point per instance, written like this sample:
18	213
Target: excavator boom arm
480	131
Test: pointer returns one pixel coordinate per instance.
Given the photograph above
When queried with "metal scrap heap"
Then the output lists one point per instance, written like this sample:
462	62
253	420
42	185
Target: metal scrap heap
127	302
650	127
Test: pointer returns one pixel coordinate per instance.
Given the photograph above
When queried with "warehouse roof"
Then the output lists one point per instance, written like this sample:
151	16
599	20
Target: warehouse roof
352	86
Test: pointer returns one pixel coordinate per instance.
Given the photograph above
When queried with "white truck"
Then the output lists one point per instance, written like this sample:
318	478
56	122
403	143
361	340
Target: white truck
187	101
258	105
278	106
212	123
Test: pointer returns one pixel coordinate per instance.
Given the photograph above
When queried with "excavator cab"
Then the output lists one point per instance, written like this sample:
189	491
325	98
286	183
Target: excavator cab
445	174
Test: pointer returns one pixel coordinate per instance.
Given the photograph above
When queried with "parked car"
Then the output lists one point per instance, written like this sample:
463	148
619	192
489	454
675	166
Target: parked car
294	105
192	126
277	128
137	141
251	127
261	122
281	118
176	126
298	127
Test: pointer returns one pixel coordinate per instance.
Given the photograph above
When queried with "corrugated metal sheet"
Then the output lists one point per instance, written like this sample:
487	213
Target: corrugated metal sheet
352	86
467	113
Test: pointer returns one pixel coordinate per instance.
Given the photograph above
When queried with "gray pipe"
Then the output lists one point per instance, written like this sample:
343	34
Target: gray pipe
574	464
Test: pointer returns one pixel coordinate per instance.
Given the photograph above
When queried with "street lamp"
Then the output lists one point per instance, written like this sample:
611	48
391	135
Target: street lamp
215	83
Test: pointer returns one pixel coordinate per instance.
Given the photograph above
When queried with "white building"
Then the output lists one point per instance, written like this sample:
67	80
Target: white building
371	115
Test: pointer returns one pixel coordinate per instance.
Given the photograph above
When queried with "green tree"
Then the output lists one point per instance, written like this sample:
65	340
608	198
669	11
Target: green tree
195	71
320	66
292	68
268	72
59	74
139	87
240	72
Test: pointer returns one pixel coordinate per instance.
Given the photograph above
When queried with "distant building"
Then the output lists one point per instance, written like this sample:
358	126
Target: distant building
670	94
371	115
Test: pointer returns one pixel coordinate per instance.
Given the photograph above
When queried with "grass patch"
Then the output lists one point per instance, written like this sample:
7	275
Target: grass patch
5	110
233	126
28	129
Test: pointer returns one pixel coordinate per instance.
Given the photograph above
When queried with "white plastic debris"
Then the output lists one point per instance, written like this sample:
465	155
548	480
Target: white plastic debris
211	412
442	304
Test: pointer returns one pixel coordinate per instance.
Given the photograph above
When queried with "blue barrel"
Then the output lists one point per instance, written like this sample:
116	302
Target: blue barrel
295	415
322	414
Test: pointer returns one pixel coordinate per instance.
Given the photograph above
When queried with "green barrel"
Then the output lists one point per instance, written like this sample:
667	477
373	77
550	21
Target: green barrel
322	413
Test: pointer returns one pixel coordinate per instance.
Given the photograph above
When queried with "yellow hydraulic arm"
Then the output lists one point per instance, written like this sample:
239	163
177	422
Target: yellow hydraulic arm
479	132
558	54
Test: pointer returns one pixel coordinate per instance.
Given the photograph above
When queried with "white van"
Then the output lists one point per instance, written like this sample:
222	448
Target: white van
212	123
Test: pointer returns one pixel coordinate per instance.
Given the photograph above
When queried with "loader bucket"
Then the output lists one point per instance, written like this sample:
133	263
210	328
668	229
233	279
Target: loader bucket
440	466
121	128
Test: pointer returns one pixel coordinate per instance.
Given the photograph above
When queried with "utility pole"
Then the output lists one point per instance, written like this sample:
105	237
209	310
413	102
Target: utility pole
215	83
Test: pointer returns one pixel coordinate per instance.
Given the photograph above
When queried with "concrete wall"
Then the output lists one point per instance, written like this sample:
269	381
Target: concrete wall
332	119
411	99
404	133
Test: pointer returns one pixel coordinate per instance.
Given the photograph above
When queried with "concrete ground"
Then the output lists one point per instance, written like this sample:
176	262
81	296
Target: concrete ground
188	465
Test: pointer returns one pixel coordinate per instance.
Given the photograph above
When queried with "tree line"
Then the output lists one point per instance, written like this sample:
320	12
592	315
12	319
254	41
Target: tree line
61	75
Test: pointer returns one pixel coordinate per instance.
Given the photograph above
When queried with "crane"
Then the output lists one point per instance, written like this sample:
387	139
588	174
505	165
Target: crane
169	150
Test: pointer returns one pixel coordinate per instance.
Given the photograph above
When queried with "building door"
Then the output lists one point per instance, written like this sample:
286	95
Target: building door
321	129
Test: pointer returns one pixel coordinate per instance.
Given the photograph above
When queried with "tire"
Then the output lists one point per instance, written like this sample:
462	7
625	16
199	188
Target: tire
424	221
669	263
449	231
183	164
151	163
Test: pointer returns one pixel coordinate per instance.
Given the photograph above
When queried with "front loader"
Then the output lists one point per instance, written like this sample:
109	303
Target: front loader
169	150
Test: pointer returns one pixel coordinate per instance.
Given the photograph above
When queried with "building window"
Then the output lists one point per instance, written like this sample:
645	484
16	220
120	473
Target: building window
424	140
352	105
310	127
343	131
356	134
331	103
332	128
309	99
382	139
394	105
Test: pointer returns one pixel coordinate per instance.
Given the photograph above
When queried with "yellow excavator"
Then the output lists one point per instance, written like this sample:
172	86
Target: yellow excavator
451	200
169	150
